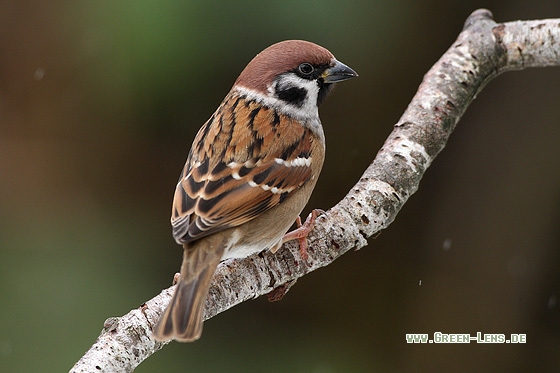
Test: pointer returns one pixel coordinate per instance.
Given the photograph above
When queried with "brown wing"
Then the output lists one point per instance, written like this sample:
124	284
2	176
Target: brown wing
245	160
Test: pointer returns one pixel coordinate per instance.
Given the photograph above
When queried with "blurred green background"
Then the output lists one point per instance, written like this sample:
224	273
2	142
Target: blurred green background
99	103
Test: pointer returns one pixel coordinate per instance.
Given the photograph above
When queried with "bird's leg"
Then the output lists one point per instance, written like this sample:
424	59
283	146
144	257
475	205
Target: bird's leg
301	232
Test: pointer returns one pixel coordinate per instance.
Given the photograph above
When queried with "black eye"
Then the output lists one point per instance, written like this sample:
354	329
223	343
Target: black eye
305	68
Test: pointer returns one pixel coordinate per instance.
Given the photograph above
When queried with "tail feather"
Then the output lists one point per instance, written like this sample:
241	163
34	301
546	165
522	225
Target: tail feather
182	320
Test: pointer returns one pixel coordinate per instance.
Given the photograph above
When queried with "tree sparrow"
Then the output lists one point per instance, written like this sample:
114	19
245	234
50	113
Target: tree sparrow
250	172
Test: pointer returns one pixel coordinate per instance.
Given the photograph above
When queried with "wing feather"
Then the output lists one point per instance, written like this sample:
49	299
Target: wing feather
244	161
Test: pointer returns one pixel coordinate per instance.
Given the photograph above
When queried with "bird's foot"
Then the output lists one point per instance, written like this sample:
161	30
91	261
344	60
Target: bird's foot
301	232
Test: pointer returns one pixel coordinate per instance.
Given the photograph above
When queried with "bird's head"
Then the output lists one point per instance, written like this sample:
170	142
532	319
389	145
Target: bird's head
297	73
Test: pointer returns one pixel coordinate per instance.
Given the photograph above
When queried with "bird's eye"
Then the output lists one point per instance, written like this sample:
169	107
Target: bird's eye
306	68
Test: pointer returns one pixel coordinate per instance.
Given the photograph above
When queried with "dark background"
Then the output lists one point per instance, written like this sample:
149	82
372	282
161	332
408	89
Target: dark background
99	102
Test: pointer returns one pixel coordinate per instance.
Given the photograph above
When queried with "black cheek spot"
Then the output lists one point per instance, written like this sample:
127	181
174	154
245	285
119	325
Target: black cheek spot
293	95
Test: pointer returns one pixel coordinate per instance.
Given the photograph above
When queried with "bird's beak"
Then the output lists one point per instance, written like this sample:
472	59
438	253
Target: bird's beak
338	73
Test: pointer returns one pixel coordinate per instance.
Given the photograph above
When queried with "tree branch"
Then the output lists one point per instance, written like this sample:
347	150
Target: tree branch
483	50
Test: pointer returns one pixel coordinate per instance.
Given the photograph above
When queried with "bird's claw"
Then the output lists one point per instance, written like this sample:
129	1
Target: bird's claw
301	232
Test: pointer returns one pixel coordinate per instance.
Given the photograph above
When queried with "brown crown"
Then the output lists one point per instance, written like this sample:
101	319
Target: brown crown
280	58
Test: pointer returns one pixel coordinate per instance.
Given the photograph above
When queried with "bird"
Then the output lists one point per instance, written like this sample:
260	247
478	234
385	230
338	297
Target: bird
249	173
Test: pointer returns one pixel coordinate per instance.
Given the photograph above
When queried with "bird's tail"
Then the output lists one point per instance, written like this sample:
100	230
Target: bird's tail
182	320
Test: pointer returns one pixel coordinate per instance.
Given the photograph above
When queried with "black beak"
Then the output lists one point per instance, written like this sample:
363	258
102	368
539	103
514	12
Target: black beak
338	73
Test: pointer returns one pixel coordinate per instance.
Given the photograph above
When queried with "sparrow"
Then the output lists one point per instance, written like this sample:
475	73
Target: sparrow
250	172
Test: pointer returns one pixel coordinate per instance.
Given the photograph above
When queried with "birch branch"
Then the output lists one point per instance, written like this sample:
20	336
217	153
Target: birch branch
483	50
